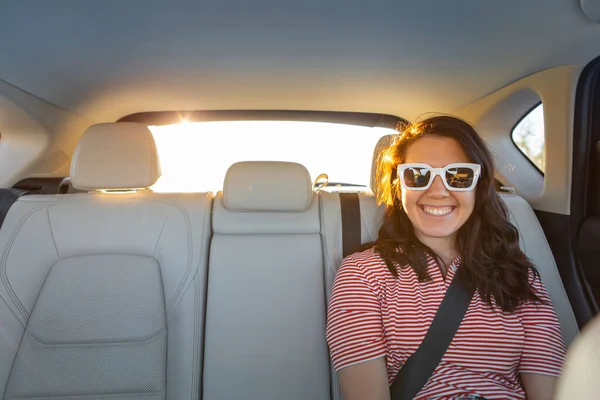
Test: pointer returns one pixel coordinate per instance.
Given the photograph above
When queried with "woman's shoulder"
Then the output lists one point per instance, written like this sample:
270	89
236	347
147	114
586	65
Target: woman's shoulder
369	261
368	256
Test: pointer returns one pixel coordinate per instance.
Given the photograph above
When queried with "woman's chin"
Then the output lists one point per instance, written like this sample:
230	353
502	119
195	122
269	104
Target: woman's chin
437	233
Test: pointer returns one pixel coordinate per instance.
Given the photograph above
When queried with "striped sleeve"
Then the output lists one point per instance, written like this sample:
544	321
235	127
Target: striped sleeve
354	321
544	349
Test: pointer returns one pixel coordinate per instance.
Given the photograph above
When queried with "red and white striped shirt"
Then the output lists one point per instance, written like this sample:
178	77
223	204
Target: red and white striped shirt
372	314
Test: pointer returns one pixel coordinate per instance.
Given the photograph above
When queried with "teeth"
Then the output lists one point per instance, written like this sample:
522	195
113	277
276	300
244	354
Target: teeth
437	211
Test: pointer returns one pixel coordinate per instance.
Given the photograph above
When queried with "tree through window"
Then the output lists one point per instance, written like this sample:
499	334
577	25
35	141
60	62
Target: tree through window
528	136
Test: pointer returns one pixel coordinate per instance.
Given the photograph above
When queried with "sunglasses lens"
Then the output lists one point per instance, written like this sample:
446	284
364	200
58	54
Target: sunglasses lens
416	177
460	178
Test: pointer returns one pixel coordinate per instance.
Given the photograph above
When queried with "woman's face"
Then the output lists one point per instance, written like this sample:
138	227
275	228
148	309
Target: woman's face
437	213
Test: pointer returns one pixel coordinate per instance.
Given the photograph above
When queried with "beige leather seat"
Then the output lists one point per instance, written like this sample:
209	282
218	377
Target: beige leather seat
265	321
102	295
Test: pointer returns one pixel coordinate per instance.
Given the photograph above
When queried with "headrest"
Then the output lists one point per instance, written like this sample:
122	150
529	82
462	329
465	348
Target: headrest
120	155
267	186
384	142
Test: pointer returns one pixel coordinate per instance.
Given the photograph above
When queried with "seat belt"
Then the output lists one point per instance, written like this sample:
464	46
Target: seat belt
419	367
351	239
7	198
351	232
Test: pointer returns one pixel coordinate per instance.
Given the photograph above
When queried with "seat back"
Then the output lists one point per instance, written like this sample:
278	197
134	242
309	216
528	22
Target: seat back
103	294
532	240
536	248
265	319
371	219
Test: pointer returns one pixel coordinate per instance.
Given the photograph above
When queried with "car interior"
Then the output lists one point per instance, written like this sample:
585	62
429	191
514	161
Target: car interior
162	237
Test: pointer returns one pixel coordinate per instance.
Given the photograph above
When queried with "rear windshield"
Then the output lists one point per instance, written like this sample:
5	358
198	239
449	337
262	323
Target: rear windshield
196	155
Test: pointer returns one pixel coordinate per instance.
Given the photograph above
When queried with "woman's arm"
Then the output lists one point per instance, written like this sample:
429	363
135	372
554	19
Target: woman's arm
365	381
355	334
543	352
538	386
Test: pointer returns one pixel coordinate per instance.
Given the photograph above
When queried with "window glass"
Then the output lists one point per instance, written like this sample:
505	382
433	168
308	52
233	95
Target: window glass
196	155
528	136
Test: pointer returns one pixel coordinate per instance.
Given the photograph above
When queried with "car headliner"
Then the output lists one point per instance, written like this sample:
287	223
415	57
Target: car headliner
107	59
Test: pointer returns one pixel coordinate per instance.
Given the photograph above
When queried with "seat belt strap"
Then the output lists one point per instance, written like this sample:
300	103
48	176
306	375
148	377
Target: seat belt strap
351	231
7	197
419	367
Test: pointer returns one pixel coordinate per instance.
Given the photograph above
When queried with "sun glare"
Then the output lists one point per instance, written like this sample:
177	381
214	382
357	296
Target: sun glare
196	155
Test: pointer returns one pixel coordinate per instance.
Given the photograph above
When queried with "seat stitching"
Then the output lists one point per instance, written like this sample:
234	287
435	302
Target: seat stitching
178	294
52	232
12	310
87	395
195	356
16	231
174	300
193	281
161	232
149	339
3	271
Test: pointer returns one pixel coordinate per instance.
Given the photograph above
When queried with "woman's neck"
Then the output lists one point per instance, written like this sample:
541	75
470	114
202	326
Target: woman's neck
443	247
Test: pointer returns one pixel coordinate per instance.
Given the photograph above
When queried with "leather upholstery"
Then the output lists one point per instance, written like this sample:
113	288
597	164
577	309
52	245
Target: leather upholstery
119	155
104	294
267	186
265	318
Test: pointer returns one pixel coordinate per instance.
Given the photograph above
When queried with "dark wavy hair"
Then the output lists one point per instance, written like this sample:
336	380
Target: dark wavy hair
487	243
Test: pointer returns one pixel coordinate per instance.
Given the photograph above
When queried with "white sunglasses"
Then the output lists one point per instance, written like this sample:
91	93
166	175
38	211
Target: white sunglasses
458	177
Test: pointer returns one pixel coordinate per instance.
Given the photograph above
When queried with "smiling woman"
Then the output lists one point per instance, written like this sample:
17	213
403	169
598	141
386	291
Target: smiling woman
196	155
444	223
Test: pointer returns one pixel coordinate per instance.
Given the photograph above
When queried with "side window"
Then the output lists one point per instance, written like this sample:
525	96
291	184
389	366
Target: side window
528	136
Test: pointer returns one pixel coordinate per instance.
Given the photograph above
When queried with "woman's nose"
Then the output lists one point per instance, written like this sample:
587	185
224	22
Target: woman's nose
437	188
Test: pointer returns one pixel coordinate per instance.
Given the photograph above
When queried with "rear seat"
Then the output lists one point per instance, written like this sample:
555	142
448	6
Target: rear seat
535	246
103	294
265	320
